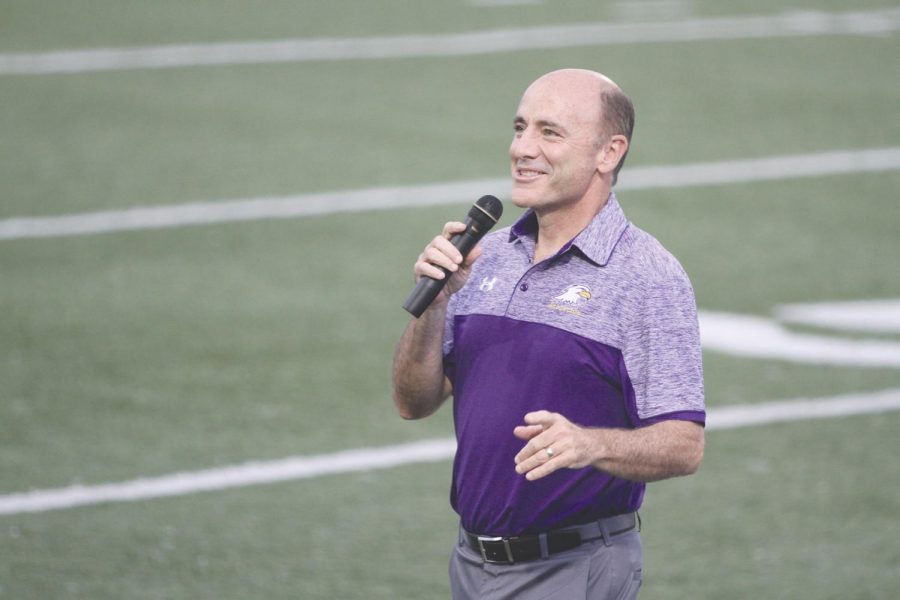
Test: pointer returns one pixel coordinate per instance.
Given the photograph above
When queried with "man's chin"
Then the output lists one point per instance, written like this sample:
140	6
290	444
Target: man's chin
523	199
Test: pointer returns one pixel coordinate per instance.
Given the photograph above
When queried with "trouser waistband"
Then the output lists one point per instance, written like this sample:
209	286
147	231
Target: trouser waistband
509	550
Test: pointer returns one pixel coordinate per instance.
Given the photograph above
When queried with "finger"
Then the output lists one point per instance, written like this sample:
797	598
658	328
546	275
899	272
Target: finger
441	258
541	417
440	252
526	432
445	246
432	262
425	269
538	422
559	461
542	463
451	228
525	462
534	448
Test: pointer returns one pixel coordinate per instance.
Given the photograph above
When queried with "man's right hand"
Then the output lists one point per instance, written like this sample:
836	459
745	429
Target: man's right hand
441	253
419	383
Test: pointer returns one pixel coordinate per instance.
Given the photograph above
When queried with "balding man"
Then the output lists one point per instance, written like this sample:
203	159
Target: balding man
570	345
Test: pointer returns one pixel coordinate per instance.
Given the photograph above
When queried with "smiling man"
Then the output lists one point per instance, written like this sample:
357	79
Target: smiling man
576	374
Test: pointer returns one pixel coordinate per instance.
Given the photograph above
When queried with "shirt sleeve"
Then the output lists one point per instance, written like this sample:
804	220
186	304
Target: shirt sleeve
449	358
663	358
448	323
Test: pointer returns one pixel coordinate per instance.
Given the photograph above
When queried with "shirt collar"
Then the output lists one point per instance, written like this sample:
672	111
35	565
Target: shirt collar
596	241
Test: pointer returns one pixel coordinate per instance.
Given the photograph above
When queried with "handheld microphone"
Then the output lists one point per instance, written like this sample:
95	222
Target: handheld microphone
483	215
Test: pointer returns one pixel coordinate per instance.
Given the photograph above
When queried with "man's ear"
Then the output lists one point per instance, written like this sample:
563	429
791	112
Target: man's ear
611	153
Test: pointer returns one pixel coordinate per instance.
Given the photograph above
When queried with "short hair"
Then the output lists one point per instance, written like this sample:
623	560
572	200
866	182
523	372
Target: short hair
616	118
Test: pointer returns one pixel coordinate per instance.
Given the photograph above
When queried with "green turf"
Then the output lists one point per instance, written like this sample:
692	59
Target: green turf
75	143
138	354
769	515
805	510
263	337
35	26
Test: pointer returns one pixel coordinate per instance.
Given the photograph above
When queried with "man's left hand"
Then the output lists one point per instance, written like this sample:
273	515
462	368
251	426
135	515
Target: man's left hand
554	443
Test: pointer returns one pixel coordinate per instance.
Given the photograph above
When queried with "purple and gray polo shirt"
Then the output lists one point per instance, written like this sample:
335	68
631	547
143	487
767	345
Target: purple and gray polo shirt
605	333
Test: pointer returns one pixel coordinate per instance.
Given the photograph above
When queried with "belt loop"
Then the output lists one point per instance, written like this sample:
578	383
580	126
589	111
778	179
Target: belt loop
545	549
604	531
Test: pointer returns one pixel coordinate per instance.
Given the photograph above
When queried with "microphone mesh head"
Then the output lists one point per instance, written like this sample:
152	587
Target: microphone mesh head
491	206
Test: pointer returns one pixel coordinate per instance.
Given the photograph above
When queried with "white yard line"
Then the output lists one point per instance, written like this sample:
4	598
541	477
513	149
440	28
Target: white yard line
369	459
752	336
801	409
876	316
222	478
286	207
789	24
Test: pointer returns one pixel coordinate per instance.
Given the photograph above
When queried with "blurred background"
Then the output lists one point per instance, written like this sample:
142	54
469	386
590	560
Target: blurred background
208	219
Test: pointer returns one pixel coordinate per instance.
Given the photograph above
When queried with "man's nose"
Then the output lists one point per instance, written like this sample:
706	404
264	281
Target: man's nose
524	145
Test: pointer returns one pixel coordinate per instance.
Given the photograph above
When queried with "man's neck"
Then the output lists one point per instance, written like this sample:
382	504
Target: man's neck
557	227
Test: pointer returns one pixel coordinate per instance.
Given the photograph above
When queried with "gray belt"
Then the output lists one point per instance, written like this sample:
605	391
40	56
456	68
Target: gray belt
509	550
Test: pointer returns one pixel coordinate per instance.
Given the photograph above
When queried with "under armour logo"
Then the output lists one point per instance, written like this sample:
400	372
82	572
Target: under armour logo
487	284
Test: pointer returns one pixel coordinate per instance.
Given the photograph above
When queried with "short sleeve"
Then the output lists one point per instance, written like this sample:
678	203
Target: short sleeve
663	356
448	324
447	348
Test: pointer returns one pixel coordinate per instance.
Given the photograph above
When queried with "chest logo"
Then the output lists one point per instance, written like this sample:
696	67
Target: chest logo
574	294
570	299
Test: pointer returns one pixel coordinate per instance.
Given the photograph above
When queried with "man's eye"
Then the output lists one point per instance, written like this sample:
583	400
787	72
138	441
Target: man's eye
550	133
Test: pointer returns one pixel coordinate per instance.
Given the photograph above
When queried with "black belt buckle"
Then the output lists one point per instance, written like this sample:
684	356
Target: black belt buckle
495	550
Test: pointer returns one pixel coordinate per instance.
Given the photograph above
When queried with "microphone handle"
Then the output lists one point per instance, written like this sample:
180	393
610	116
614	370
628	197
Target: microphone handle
427	288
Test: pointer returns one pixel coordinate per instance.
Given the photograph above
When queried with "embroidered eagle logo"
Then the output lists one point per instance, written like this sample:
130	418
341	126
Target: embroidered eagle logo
574	294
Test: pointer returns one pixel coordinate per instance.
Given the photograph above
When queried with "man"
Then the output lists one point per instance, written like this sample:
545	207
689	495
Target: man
570	345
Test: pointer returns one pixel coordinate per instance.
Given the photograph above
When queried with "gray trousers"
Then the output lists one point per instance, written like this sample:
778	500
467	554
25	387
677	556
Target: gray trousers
597	570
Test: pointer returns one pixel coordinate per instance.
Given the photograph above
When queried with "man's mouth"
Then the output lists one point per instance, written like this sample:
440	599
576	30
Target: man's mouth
525	173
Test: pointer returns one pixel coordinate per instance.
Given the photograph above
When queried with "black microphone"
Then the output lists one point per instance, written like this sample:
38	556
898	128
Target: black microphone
483	215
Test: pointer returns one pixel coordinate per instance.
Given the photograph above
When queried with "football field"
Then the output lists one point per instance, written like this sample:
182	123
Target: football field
209	216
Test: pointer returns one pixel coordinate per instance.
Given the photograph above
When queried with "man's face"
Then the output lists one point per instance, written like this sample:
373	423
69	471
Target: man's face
554	151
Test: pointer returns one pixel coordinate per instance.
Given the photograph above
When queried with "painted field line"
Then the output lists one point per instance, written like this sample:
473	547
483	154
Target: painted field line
801	409
752	336
877	316
286	207
369	459
789	24
237	476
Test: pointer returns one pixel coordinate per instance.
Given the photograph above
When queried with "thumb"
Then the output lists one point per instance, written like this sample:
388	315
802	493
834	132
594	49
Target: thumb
458	279
472	257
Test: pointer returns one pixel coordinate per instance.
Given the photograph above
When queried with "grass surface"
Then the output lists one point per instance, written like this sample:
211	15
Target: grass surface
138	354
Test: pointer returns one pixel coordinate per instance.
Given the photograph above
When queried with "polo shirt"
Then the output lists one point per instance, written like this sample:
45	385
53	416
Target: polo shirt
604	332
